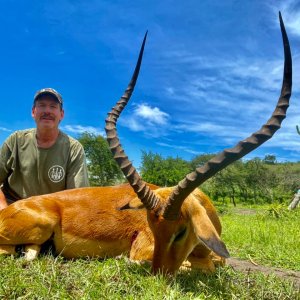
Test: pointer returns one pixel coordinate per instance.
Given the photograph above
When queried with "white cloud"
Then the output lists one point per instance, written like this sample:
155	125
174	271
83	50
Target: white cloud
232	96
239	87
77	129
295	24
151	120
5	129
222	134
170	91
291	15
134	124
181	148
151	114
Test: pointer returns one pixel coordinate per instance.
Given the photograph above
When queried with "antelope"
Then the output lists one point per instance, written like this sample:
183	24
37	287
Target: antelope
173	227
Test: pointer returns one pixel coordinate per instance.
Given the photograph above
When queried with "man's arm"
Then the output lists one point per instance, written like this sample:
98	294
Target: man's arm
3	202
5	154
77	169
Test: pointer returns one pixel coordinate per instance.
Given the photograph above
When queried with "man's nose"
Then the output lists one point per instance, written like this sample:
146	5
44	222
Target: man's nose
47	109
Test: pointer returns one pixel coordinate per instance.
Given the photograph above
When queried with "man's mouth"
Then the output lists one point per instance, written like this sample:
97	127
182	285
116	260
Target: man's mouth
49	118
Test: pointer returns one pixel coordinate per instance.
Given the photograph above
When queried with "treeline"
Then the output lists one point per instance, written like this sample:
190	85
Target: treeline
252	181
255	181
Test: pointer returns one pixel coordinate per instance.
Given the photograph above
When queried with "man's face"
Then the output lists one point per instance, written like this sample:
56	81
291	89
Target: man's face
47	112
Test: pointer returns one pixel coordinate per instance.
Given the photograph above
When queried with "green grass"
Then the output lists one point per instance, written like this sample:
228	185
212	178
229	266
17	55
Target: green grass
270	238
50	278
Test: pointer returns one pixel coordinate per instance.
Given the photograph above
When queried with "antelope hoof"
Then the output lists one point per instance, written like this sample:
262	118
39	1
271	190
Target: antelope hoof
205	265
31	252
218	261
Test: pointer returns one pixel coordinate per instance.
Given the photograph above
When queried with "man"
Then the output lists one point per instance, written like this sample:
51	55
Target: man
44	159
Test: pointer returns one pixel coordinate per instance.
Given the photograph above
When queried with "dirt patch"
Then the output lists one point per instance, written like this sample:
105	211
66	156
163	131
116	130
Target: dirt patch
247	266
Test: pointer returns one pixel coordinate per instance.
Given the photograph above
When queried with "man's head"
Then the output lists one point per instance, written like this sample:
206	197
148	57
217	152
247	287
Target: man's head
52	93
47	109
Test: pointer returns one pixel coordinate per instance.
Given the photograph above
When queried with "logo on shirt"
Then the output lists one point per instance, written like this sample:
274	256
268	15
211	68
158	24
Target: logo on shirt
56	173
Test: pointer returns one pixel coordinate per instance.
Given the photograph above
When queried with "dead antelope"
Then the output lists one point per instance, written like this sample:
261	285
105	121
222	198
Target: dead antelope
172	227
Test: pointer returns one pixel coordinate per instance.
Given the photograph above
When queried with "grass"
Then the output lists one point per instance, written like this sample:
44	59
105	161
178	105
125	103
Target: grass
269	238
50	278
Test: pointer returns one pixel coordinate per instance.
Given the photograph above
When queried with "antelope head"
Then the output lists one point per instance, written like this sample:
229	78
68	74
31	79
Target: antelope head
177	220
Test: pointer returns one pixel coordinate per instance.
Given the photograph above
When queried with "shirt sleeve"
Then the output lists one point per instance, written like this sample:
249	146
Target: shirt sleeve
5	160
77	175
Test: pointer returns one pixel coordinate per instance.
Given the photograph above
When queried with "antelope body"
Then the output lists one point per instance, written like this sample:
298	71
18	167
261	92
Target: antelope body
171	227
90	222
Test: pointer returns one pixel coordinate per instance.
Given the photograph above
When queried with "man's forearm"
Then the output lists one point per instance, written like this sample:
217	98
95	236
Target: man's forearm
3	202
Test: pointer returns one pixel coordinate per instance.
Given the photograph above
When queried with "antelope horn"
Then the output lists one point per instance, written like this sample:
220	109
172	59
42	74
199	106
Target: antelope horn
139	186
228	156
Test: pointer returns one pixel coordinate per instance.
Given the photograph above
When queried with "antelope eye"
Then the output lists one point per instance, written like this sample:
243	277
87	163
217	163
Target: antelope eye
180	234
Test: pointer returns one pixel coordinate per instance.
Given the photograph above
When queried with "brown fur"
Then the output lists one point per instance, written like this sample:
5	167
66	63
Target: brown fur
89	222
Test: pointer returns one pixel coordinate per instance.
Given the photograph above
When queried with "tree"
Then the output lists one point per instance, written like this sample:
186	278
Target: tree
200	160
163	171
270	159
226	184
250	181
102	168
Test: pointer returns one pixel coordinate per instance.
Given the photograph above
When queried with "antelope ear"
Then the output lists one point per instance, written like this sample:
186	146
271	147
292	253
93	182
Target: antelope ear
206	232
135	203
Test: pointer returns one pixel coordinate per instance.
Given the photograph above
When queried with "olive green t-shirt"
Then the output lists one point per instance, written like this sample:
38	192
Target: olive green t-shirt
27	170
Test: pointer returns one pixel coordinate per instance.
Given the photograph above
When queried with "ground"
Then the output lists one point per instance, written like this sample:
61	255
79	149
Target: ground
247	267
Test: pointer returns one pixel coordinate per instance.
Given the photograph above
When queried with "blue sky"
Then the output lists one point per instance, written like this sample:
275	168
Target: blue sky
211	73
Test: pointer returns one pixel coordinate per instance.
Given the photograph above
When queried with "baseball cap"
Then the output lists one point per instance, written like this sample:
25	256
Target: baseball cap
48	91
